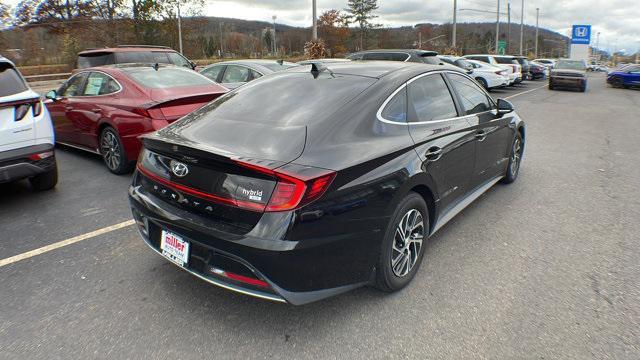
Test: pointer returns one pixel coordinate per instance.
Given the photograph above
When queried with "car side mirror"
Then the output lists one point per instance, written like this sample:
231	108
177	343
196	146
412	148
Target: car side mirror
504	107
52	95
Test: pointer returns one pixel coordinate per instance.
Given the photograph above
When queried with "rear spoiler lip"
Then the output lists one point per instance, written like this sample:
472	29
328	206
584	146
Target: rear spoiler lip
153	104
177	148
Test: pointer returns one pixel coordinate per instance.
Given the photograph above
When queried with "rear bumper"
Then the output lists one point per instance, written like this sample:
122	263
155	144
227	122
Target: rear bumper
567	81
17	164
297	272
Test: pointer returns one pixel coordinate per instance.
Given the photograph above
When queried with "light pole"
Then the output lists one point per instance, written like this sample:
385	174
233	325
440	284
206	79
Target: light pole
275	47
508	27
497	25
521	27
179	29
597	44
537	16
453	34
314	29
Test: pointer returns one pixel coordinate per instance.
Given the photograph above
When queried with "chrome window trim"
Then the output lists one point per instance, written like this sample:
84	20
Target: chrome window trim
89	74
406	123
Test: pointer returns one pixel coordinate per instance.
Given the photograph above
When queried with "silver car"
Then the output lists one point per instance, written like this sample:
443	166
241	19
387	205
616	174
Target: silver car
232	74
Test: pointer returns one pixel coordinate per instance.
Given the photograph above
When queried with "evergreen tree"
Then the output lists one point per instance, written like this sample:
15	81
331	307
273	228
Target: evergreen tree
361	13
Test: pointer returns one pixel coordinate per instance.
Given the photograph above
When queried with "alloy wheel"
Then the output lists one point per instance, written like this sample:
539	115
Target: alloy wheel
407	242
516	155
110	149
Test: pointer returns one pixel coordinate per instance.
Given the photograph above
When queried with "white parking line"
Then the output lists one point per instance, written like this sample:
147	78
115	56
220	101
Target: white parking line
524	92
59	244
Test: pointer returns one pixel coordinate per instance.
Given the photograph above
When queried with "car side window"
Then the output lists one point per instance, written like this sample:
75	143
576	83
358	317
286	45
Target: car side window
73	86
430	99
178	59
396	108
100	84
235	74
213	72
255	74
474	100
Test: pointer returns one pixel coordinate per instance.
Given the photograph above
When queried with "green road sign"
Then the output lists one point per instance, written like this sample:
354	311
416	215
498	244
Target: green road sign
502	47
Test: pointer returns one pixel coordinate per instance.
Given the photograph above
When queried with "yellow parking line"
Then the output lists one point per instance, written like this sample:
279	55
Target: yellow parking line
59	244
524	92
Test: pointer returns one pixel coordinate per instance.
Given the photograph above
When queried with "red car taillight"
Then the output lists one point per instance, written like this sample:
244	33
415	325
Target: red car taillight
293	190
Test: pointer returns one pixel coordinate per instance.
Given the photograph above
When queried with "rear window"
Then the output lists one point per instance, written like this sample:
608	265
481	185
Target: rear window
94	59
301	99
277	67
386	56
166	77
148	57
505	60
10	81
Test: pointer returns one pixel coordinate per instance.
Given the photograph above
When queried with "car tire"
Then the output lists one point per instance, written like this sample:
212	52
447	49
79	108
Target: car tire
45	181
617	82
482	82
112	152
405	252
551	86
515	159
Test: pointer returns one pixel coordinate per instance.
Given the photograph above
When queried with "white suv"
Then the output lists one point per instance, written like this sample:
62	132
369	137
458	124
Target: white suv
26	132
506	62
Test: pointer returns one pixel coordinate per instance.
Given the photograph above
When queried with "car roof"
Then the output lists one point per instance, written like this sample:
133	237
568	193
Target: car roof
410	51
132	48
375	68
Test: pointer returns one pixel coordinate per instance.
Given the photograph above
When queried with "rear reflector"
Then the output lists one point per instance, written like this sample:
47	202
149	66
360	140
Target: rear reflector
240	278
40	156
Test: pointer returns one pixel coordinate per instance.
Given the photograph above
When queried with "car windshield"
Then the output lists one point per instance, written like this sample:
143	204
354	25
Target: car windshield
166	77
275	66
571	65
10	81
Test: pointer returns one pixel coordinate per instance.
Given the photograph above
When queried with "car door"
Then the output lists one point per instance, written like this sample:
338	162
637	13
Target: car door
492	133
444	140
235	76
633	76
89	107
62	108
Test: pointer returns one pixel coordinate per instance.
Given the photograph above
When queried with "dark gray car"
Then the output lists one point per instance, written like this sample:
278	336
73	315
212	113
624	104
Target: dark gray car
408	55
569	73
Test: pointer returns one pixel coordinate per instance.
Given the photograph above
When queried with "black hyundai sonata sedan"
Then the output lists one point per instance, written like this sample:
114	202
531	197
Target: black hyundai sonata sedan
313	181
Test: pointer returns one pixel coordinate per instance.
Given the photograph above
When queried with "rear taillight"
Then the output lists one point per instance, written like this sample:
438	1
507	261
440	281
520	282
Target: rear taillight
294	190
21	111
37	108
240	278
141	111
40	156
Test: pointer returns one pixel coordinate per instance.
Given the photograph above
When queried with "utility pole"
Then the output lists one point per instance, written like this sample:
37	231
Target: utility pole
275	47
598	51
221	40
419	39
455	23
314	29
497	25
537	16
179	29
521	27
509	27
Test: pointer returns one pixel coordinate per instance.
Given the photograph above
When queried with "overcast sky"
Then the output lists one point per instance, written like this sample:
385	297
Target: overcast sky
618	21
614	19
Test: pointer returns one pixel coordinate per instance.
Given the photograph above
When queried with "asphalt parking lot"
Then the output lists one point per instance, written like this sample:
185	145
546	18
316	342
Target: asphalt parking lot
544	268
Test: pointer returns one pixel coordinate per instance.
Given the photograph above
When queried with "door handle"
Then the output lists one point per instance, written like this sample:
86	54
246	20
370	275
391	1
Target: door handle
433	153
481	135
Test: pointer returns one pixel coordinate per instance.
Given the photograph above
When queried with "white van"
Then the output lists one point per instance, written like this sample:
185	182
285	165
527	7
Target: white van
26	132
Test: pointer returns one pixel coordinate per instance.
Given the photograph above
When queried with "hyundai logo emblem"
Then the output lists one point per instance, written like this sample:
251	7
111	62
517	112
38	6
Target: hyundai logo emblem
179	169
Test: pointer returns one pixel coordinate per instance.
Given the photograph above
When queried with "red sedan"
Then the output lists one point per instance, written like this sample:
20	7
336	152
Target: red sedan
105	109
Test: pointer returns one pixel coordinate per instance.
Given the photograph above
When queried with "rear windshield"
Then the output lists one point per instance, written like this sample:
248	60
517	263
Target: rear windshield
277	67
10	81
166	77
504	60
148	57
94	59
301	99
385	56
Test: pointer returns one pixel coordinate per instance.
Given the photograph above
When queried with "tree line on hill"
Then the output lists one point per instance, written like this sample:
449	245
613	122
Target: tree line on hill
53	31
